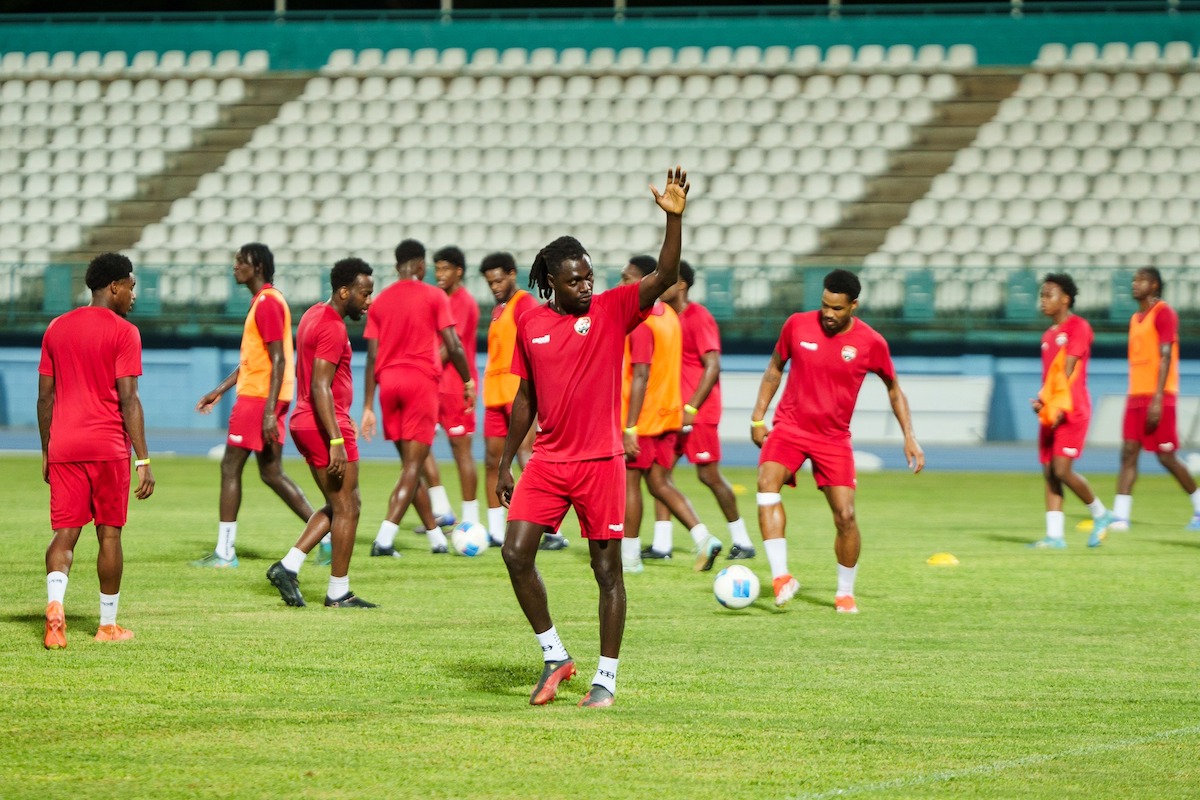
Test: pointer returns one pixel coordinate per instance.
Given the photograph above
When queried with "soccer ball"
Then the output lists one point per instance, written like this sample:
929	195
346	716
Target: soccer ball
469	538
736	587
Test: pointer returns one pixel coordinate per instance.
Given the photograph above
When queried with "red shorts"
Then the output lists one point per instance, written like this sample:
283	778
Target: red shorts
313	444
453	415
701	446
496	420
832	462
409	401
1065	440
1164	438
82	491
245	422
595	488
654	450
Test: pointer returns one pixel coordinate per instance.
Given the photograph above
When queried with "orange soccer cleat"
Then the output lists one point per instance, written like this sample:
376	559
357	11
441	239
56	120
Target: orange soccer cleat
553	673
785	587
845	604
56	626
113	633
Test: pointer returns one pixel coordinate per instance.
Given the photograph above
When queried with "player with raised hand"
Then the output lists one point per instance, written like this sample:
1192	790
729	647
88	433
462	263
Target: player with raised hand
568	357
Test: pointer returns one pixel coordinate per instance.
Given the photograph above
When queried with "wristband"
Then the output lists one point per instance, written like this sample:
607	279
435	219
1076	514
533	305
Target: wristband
142	462
757	423
691	409
339	440
631	429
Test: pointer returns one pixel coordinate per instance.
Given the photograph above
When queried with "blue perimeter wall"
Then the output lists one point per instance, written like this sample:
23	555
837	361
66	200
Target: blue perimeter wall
174	380
304	41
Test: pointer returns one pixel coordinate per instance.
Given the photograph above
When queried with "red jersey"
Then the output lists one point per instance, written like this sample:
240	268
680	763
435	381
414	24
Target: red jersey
700	336
1075	334
466	322
86	351
405	318
322	334
574	364
827	372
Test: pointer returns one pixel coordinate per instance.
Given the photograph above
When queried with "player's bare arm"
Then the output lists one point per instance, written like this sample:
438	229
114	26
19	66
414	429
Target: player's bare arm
524	412
708	379
672	199
637	396
209	400
135	425
772	377
913	453
270	425
367	422
456	356
45	414
322	400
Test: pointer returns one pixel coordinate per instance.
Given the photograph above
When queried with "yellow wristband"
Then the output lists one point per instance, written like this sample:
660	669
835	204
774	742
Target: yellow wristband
338	440
141	462
691	409
632	429
757	423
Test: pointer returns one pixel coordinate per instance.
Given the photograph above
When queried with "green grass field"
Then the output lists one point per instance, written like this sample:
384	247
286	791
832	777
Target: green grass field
1017	674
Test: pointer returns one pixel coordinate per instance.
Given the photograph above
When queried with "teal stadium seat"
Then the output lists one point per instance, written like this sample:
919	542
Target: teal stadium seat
918	296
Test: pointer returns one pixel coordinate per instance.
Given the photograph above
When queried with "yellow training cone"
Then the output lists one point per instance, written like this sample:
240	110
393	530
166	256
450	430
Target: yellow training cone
942	560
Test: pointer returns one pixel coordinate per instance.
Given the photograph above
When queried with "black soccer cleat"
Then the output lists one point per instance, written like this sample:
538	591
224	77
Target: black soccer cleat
439	549
650	554
551	541
349	600
287	584
553	673
379	550
737	552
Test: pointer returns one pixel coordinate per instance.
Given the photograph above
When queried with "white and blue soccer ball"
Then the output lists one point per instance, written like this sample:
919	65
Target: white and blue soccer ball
469	538
736	586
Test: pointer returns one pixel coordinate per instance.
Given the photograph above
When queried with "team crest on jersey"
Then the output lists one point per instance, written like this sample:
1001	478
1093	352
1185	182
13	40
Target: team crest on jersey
1060	339
583	325
849	353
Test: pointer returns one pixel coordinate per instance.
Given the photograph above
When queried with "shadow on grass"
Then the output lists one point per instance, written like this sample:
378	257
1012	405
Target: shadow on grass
498	676
1008	539
1191	545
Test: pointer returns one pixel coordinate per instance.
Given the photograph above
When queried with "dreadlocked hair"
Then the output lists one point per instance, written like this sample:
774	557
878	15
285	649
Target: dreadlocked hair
550	259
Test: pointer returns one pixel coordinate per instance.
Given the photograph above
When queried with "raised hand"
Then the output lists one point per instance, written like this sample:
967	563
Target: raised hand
673	198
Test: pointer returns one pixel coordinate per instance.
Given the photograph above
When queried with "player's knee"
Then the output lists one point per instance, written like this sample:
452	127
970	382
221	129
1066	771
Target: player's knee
766	499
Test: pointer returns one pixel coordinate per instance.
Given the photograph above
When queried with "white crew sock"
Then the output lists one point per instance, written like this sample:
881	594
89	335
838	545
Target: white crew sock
439	501
226	539
737	530
631	550
552	646
700	534
846	577
776	556
663	538
497	518
1097	508
470	511
108	608
294	560
387	534
1195	501
56	587
606	674
1123	506
436	537
1055	524
338	587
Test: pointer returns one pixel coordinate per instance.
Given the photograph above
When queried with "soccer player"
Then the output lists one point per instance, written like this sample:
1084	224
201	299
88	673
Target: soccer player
831	353
324	433
698	439
568	357
89	414
499	384
653	413
1065	410
403	334
1150	409
265	378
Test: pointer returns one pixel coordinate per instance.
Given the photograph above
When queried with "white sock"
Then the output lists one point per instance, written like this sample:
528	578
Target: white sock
56	587
1195	501
470	511
1097	508
700	534
606	674
1054	524
226	538
440	502
737	530
338	587
327	538
663	538
776	556
108	608
497	518
631	550
387	534
436	537
1123	506
294	560
552	646
846	580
